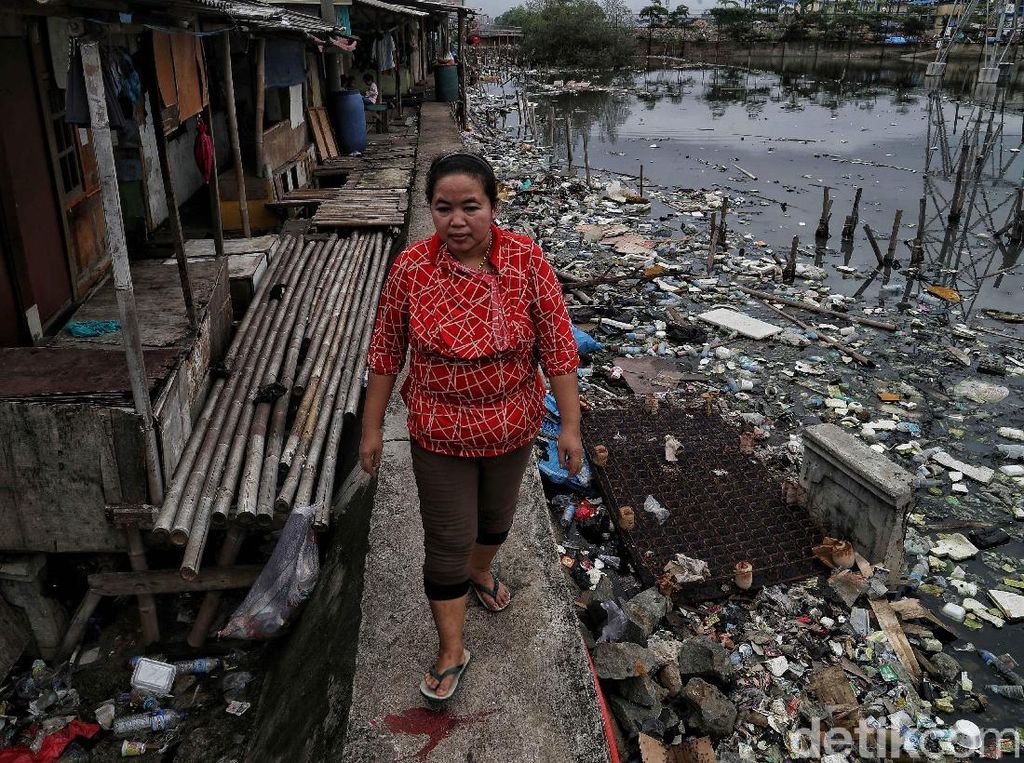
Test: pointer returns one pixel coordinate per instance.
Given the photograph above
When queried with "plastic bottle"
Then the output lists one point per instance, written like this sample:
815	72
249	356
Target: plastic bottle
920	571
1010	691
201	665
1000	667
567	515
161	720
921	482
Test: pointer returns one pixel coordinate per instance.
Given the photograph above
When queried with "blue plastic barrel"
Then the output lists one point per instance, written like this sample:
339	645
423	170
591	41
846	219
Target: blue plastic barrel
349	119
446	83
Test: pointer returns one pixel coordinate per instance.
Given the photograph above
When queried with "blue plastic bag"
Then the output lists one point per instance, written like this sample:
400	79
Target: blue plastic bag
585	342
558	475
92	328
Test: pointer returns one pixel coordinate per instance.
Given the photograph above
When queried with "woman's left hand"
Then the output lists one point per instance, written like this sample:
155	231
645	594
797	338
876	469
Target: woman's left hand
570	450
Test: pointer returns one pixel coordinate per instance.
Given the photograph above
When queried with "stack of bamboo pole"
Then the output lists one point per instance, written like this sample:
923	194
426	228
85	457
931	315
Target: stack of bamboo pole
267	437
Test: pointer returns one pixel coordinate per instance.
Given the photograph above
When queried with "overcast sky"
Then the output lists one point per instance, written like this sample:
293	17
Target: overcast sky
495	8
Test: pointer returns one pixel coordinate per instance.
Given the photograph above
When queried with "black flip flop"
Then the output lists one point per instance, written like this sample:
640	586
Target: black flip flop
479	589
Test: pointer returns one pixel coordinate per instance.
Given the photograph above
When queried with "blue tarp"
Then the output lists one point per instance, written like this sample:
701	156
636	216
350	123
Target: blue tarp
284	64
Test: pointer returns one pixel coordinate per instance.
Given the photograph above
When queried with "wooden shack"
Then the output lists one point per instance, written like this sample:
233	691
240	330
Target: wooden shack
70	438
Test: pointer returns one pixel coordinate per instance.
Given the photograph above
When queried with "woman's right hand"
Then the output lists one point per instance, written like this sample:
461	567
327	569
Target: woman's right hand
371	448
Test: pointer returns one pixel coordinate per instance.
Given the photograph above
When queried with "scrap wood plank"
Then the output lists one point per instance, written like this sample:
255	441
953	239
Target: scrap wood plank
832	688
913	609
170	581
890	624
323	133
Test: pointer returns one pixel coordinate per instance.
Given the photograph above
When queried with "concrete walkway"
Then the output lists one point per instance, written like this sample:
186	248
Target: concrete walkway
528	695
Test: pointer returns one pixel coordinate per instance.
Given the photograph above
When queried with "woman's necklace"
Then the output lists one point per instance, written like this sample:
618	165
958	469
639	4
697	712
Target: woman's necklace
482	265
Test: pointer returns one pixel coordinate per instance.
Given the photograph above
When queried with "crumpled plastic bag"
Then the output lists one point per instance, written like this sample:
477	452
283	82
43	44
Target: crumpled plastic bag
286	581
686	569
586	344
652	506
558	475
615	627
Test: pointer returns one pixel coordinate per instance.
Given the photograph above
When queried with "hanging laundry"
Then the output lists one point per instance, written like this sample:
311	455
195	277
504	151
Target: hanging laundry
76	101
203	149
284	64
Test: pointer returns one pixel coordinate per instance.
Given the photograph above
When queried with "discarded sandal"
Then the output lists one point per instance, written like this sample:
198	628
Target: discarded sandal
456	670
480	589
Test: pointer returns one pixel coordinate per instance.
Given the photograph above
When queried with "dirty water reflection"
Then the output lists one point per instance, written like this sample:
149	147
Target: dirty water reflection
797	132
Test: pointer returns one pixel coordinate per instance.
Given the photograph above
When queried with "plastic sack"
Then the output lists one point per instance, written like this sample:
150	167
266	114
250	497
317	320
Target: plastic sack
585	342
286	581
557	475
615	627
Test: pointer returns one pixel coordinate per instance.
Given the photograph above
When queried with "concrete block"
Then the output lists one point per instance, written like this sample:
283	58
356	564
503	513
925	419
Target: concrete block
21	584
852	492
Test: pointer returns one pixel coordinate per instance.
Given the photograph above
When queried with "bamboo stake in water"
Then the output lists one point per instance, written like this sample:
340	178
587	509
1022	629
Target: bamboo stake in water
568	139
850	226
586	157
894	238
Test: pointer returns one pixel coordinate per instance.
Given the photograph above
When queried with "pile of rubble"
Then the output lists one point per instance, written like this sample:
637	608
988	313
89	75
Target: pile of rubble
686	306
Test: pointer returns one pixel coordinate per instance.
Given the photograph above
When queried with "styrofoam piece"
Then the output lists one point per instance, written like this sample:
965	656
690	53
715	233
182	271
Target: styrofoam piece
1010	604
153	676
954	546
743	324
980	474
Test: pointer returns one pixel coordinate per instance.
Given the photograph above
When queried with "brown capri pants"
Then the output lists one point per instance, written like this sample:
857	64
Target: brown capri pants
463	501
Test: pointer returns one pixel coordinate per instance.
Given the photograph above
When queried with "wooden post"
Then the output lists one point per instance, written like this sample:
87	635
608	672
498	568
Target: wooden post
850	226
236	146
713	245
586	157
215	218
551	128
464	119
822	233
917	250
398	88
118	249
789	272
894	237
641	181
104	150
722	227
172	200
874	244
261	97
568	138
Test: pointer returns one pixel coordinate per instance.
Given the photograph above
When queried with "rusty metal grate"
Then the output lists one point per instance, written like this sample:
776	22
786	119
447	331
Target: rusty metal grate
725	506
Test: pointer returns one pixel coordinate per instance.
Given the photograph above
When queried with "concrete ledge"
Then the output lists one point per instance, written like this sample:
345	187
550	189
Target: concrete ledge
852	492
528	695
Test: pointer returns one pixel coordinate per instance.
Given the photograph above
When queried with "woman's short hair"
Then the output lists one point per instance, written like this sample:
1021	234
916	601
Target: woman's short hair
463	163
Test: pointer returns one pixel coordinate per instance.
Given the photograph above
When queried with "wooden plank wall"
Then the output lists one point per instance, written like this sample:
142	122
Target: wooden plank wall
60	465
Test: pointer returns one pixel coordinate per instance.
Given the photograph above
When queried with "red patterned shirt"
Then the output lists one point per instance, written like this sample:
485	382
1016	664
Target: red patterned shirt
473	387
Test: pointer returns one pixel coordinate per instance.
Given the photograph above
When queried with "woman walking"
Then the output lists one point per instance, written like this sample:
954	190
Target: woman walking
477	306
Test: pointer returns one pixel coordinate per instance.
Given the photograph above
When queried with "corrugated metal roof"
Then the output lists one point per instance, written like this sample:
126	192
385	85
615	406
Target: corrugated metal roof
257	15
390	8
